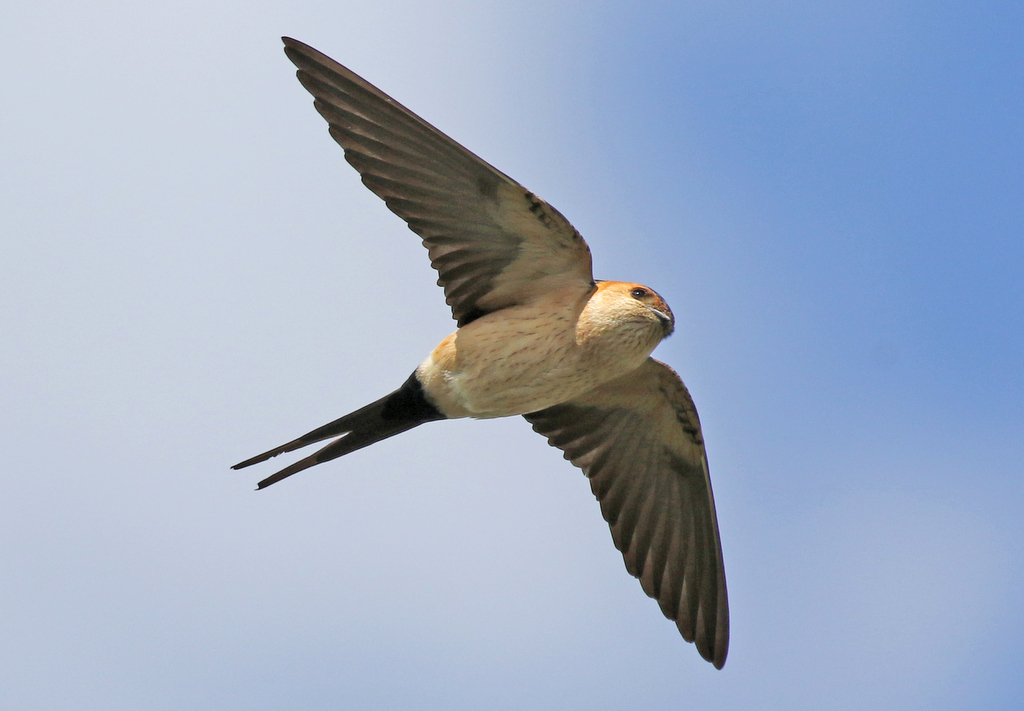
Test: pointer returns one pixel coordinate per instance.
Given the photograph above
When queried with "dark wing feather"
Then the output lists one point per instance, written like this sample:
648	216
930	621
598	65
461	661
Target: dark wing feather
493	243
639	441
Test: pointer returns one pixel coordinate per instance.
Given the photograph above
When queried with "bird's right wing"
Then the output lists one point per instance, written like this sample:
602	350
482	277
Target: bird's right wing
493	243
639	442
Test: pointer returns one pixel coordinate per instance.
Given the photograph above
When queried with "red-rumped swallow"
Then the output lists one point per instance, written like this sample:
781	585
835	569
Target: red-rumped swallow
539	337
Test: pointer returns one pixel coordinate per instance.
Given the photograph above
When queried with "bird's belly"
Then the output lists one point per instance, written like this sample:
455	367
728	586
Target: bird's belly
509	367
518	386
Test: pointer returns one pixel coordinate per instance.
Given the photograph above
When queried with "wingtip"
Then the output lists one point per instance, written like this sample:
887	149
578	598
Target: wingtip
715	656
719	659
292	45
719	653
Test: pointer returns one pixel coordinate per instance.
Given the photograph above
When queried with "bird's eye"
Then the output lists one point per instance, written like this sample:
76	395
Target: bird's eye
639	293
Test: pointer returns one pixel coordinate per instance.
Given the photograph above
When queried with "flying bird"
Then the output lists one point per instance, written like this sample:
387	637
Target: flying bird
537	336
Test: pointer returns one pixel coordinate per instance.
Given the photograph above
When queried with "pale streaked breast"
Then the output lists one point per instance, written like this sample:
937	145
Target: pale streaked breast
524	359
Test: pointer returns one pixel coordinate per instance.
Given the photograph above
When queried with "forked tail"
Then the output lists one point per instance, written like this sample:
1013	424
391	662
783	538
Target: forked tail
393	414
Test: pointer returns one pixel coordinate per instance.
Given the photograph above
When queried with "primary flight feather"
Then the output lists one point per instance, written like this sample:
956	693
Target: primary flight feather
539	337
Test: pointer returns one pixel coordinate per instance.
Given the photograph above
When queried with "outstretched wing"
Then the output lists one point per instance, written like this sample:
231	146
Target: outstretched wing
493	243
639	441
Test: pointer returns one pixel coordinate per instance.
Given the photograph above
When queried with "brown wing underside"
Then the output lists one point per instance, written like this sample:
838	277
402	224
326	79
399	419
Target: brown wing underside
493	243
639	442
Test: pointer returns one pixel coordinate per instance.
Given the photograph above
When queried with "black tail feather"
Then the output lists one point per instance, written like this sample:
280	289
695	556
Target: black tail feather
331	429
393	414
352	441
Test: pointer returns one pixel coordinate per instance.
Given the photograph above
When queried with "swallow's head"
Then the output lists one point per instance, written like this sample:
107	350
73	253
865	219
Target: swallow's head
655	305
632	310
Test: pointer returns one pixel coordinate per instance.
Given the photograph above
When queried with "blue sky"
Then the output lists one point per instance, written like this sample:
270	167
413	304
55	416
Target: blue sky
830	195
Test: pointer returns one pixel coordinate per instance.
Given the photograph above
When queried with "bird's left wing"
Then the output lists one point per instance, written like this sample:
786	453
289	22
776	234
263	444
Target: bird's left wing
639	442
493	243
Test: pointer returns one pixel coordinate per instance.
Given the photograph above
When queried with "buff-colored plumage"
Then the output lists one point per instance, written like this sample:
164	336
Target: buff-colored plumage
537	337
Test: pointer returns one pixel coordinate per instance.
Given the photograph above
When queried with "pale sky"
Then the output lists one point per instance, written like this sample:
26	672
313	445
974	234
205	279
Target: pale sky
829	195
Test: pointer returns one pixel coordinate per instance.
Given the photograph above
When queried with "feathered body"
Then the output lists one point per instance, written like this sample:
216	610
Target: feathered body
538	337
526	358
